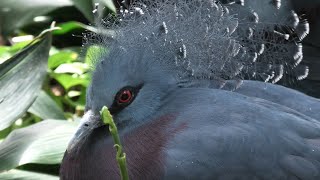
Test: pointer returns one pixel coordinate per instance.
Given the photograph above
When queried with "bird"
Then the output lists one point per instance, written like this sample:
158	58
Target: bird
191	86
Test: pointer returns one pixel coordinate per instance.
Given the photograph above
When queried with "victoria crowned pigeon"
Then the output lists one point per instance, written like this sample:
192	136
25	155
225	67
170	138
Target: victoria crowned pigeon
190	87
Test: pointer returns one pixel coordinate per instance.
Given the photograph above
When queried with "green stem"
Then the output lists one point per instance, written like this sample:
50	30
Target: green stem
120	156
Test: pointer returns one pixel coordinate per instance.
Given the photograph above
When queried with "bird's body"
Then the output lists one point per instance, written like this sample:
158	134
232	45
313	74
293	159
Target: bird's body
182	116
220	143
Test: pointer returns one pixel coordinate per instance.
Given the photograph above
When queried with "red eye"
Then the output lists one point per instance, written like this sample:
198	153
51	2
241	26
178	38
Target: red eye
125	97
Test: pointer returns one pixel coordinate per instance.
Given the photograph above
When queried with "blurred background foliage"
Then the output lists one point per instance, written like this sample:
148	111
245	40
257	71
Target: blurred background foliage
43	81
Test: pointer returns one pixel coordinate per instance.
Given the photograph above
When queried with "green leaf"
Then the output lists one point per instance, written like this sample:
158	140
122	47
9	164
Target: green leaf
72	25
61	57
7	52
4	53
21	78
108	3
46	108
15	14
94	53
4	50
86	7
67	81
42	143
18	46
15	174
74	68
68	27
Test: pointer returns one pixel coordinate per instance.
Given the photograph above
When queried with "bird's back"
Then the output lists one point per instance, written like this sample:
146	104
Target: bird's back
230	136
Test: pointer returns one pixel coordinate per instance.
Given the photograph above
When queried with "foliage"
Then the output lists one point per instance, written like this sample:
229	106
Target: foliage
42	86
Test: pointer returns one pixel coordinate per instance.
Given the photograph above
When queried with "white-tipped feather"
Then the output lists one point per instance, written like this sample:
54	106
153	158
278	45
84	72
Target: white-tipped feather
221	40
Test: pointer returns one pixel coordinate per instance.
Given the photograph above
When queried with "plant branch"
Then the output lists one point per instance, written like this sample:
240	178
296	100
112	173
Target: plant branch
120	156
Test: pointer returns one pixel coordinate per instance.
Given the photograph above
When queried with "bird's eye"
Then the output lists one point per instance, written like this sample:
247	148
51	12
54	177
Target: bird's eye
125	96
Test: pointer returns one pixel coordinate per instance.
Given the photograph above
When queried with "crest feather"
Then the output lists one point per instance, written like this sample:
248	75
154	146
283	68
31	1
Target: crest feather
207	39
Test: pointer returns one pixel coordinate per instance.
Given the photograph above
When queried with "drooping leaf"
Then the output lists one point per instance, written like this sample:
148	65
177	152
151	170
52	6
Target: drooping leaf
43	143
15	14
46	108
21	78
25	175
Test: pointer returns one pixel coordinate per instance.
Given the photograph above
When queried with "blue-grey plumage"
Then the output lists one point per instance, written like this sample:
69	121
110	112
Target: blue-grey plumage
229	135
181	106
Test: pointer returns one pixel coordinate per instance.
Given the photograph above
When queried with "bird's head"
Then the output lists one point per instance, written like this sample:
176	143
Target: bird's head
131	83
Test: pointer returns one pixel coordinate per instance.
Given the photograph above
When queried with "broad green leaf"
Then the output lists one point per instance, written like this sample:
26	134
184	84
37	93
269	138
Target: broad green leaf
15	174
21	78
67	80
15	14
46	108
43	143
61	57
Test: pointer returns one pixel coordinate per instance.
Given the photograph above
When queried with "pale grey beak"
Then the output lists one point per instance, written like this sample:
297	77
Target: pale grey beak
88	123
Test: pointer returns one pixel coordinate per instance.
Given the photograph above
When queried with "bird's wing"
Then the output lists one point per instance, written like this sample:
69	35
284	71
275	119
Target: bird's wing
230	136
290	98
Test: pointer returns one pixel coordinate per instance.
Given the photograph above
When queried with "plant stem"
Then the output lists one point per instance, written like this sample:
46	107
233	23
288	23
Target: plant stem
120	156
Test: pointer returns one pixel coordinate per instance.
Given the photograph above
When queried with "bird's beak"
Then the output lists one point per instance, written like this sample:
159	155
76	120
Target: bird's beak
88	123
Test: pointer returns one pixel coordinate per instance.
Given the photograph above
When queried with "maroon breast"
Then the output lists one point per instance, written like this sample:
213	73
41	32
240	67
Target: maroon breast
144	148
